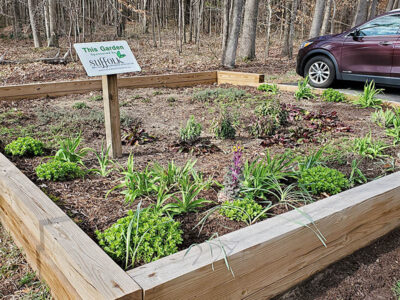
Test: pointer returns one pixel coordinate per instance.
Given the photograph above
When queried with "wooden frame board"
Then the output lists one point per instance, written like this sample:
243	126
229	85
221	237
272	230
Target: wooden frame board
266	258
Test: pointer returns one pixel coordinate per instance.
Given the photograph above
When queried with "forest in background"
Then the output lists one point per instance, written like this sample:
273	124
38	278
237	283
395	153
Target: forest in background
238	25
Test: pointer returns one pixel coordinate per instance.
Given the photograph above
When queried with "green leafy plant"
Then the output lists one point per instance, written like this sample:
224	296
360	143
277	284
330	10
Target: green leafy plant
191	132
331	95
385	118
394	132
269	88
367	147
320	180
25	146
224	126
69	150
304	91
263	126
244	210
56	170
258	174
135	183
368	98
80	105
144	235
104	160
356	175
189	200
311	161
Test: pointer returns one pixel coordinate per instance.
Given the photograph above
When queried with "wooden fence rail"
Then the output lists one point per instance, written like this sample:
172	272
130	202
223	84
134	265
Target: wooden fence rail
56	89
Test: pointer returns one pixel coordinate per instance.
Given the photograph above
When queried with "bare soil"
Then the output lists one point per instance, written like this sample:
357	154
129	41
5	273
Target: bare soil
161	113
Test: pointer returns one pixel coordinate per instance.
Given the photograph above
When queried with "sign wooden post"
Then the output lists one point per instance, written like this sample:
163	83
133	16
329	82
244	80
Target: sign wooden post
107	59
112	115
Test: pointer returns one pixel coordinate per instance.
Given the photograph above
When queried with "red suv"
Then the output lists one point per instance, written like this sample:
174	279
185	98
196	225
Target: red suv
370	51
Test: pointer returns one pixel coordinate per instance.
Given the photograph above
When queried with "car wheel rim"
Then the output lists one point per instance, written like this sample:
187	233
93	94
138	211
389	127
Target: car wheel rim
319	72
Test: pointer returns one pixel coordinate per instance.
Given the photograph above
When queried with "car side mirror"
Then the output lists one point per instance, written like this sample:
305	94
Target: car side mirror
356	34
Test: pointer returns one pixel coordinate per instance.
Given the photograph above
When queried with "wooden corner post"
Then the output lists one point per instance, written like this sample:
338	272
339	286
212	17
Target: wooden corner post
111	115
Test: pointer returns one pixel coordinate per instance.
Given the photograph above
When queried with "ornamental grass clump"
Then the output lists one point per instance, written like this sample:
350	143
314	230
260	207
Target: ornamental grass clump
144	235
25	146
56	170
368	98
320	180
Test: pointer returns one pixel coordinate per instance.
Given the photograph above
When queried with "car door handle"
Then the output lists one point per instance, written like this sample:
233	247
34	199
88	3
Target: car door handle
386	43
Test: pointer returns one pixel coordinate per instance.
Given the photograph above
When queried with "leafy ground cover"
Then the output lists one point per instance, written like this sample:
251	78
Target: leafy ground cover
261	161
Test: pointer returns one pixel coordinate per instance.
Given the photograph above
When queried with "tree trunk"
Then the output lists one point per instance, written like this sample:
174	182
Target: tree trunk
293	16
372	10
317	19
53	39
228	60
333	17
389	6
17	24
286	28
361	13
248	40
268	33
35	33
325	23
226	26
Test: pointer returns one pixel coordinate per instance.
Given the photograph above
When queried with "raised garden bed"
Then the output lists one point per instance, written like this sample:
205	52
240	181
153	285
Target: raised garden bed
266	258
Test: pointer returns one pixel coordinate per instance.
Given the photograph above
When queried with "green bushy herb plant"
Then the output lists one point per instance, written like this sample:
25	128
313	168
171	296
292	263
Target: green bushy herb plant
80	105
145	235
367	147
262	127
269	88
320	180
191	132
25	146
244	210
273	109
331	95
224	126
56	170
368	98
69	150
304	91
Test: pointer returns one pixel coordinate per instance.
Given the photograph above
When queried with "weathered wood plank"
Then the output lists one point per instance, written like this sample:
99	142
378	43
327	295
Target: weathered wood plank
112	115
56	89
70	262
271	256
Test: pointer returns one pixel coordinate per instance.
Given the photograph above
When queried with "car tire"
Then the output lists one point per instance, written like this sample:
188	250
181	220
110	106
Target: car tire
320	71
